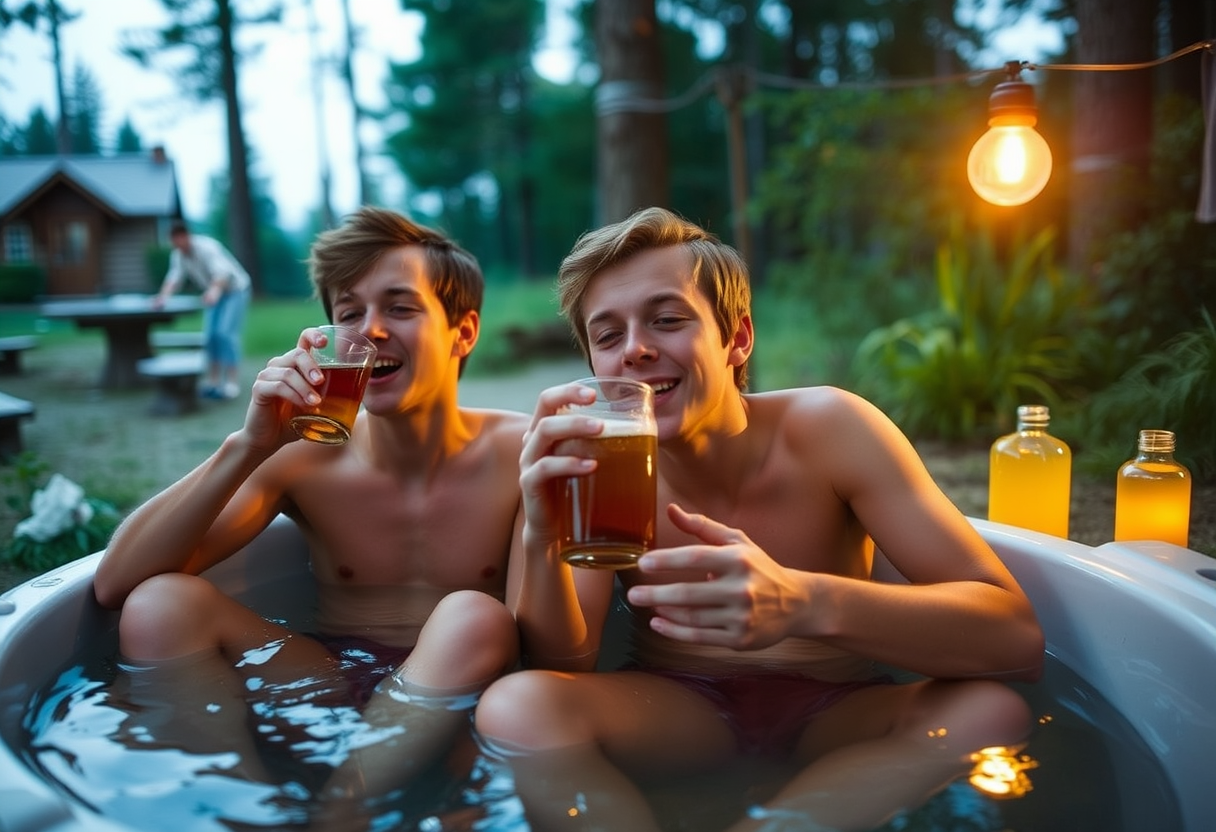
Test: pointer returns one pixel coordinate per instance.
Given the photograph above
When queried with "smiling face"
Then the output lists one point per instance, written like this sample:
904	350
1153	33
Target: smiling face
419	353
646	319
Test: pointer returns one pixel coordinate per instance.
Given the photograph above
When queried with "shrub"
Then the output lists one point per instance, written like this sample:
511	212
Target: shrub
156	264
69	524
999	337
1172	388
21	282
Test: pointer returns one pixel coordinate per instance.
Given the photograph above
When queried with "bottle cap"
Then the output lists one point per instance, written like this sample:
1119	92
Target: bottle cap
1034	414
1157	441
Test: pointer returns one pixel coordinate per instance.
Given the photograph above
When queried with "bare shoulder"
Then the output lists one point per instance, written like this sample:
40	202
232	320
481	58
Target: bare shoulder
841	430
811	411
498	423
502	429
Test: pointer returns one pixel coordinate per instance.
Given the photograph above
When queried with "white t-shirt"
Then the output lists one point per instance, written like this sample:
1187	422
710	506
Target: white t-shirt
207	261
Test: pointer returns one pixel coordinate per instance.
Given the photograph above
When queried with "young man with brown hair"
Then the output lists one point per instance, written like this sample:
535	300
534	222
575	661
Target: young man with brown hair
409	524
758	624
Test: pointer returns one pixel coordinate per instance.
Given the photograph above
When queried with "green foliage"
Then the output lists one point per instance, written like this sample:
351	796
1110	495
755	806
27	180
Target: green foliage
21	282
1156	277
127	139
839	297
189	46
792	348
862	174
281	256
156	264
273	326
510	304
86	108
37	138
1173	388
20	482
999	337
84	539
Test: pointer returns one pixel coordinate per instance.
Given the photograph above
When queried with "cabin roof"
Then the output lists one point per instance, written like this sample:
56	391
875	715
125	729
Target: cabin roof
125	184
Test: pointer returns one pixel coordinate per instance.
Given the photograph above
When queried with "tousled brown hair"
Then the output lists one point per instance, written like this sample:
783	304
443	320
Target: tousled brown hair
341	256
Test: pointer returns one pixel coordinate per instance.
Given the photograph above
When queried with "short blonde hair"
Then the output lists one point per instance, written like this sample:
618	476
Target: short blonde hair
718	270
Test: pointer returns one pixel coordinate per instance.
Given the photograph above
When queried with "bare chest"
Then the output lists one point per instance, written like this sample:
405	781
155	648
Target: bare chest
786	508
373	529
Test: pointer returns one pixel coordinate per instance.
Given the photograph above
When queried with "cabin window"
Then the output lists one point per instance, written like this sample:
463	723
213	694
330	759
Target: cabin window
70	243
18	244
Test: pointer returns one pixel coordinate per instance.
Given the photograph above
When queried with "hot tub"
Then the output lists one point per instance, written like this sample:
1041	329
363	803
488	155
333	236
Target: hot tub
1136	622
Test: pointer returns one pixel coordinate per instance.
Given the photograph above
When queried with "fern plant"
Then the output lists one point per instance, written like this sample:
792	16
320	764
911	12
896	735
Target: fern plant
999	337
1172	388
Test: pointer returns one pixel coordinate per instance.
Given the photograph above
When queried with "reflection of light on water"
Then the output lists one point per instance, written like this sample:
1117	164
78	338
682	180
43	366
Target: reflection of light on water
1000	772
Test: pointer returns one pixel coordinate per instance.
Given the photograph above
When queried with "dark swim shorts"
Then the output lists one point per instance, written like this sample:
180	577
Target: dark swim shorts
363	663
767	711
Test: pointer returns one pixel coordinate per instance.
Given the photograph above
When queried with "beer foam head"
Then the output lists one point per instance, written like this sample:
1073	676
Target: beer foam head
618	423
638	425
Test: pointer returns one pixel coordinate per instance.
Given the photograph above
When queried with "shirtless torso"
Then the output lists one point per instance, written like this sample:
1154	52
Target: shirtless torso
387	543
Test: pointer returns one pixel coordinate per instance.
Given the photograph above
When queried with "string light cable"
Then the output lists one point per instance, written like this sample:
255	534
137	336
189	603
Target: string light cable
621	95
1009	165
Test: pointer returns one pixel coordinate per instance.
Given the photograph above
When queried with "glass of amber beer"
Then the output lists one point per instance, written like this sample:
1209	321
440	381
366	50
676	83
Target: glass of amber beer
346	361
607	518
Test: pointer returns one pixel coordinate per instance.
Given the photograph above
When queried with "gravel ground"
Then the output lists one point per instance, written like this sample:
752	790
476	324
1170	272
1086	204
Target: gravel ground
108	442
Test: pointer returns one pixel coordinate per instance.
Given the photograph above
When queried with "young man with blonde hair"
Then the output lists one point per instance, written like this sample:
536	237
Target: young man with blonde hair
409	524
758	622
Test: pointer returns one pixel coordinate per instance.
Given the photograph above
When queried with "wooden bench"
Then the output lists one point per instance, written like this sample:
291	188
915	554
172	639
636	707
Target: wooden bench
176	376
11	348
173	340
12	411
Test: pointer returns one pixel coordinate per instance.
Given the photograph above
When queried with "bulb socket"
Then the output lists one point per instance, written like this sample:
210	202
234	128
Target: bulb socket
1012	103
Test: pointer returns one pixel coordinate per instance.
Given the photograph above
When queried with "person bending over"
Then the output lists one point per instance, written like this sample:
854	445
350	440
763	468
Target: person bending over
225	286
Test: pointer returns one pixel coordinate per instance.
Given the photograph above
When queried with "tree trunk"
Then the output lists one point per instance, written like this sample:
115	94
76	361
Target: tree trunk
348	75
242	235
315	63
1112	128
632	144
63	134
526	196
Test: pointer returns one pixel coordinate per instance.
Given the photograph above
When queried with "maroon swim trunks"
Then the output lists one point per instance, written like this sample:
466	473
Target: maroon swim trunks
363	663
767	711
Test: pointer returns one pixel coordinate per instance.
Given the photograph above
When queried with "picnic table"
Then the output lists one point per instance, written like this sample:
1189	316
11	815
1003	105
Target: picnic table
126	321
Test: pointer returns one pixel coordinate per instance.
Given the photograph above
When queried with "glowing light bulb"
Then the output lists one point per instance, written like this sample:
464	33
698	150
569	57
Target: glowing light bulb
1011	163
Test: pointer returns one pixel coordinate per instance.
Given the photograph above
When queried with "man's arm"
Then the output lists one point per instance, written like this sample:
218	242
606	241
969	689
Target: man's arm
223	503
961	615
973	617
560	610
191	525
173	278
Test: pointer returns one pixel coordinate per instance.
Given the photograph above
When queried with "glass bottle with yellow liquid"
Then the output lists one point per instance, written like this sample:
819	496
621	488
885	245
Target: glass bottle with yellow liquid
1030	475
1153	493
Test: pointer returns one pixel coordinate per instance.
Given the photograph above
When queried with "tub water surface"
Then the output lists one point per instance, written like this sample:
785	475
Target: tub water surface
1131	629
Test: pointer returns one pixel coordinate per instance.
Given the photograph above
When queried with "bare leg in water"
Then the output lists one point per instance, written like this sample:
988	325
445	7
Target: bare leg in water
468	641
416	714
576	743
180	631
888	749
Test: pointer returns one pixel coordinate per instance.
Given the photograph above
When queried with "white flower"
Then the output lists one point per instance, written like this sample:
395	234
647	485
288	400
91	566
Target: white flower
57	507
